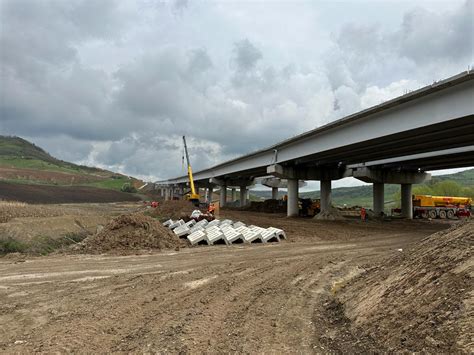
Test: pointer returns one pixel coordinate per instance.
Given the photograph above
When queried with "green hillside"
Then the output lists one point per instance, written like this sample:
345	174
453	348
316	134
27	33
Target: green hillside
458	184
25	163
17	152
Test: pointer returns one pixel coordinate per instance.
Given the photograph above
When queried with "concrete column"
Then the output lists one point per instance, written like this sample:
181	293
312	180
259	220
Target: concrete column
171	193
325	195
209	194
181	192
292	208
223	196
167	194
378	198
275	193
233	195
243	196
407	203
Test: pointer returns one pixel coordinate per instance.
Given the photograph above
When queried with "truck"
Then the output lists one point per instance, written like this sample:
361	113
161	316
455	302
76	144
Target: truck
427	206
308	207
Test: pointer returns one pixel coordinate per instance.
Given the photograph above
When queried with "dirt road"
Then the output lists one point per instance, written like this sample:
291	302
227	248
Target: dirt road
257	298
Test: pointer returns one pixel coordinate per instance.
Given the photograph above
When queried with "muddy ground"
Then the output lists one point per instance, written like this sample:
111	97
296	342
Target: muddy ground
252	298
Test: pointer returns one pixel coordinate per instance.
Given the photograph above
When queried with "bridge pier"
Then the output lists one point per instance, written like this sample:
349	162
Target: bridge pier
378	198
381	176
274	193
233	194
223	195
407	203
292	207
243	196
209	194
326	196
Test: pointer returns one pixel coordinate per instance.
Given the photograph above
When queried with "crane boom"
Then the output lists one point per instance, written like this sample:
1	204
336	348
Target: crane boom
193	196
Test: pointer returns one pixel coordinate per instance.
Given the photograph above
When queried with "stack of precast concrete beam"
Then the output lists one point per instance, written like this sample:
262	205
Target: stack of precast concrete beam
223	232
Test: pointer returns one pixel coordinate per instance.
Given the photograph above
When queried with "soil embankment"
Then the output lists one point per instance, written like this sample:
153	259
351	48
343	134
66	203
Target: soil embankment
420	300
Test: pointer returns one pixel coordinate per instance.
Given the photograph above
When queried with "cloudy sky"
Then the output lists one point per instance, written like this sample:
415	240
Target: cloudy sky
116	84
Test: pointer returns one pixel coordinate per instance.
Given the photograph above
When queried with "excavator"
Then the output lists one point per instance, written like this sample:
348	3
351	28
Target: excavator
192	195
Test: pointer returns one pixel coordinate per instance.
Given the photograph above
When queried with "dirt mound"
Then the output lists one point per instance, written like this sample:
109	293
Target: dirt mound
332	215
420	300
267	206
173	209
131	232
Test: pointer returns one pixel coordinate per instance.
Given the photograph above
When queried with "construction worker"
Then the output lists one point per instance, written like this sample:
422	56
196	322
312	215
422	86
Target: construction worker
211	209
363	214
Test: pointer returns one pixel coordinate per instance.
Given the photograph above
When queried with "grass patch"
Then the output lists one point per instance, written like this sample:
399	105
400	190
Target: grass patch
26	163
112	184
40	245
11	245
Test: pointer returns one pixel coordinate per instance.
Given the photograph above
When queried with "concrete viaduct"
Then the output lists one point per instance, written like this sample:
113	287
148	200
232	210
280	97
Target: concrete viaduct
395	142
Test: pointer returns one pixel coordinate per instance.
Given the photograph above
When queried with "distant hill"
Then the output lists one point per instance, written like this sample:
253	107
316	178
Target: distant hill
18	152
460	183
23	162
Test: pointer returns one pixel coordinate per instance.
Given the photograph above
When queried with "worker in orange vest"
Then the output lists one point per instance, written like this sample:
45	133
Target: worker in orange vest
211	208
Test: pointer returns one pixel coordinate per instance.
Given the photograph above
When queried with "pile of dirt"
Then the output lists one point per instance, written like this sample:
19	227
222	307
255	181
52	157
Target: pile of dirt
173	209
267	206
420	300
333	214
129	233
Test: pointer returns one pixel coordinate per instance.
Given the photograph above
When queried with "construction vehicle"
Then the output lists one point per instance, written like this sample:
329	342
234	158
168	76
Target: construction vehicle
192	195
309	207
427	206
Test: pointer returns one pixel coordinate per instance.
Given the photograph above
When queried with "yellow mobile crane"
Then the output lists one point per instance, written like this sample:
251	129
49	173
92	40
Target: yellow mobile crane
192	195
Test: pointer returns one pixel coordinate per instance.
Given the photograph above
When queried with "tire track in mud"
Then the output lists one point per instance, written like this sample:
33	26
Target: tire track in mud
195	311
252	299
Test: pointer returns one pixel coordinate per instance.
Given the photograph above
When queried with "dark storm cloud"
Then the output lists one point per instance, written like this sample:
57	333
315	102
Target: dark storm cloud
245	55
123	80
427	45
425	35
180	4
